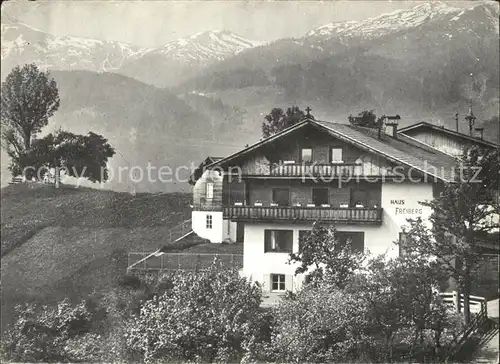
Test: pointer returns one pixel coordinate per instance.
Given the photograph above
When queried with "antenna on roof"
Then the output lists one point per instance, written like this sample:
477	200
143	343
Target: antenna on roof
456	120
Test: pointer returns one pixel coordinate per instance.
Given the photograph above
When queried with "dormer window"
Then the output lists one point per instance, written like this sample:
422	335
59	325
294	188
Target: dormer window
306	155
210	190
336	155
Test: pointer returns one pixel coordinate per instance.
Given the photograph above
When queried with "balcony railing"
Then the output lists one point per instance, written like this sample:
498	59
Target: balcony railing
292	213
316	170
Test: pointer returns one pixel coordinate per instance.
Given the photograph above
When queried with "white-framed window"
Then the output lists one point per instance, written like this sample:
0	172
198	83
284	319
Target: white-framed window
278	282
336	155
210	190
209	221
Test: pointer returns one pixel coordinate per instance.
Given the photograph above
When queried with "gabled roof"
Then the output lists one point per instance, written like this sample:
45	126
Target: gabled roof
425	125
402	151
263	142
198	171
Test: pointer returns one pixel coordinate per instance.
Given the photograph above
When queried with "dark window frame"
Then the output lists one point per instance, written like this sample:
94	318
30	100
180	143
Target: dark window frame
209	221
327	195
283	189
279	247
354	242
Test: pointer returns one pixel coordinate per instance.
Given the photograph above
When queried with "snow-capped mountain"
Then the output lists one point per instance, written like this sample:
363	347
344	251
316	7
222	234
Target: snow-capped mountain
399	21
206	46
185	57
426	61
22	43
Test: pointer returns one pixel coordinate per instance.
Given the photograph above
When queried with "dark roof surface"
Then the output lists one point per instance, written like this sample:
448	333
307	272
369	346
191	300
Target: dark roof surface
424	125
401	149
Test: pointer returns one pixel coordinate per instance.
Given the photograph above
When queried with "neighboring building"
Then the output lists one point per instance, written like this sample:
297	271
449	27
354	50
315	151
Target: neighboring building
364	182
445	140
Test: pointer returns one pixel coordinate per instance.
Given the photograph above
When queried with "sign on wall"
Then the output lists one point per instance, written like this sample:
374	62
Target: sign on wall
400	208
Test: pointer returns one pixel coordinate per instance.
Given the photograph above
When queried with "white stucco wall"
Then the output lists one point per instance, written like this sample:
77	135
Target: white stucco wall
399	201
199	221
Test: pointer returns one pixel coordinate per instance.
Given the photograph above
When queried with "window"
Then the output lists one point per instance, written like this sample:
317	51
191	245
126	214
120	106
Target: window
336	156
306	155
278	282
209	222
281	196
210	190
278	241
359	197
357	239
320	196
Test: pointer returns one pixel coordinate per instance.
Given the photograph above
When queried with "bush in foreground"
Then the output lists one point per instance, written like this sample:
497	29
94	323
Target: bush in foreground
43	334
390	312
208	316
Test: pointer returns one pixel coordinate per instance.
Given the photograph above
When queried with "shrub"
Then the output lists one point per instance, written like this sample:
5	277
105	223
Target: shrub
206	316
319	324
42	333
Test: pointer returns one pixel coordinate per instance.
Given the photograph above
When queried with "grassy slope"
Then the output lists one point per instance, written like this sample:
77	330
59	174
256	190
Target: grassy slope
69	242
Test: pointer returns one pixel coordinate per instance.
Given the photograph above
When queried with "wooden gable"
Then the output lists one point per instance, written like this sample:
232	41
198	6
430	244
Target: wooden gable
287	150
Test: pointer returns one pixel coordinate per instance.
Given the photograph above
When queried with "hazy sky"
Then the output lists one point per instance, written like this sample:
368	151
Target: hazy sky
153	23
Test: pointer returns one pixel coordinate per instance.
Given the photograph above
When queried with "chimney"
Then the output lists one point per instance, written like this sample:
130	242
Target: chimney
479	133
470	119
391	125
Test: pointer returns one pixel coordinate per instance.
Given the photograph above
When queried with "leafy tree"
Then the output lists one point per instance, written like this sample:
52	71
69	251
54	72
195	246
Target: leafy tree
278	120
319	324
367	119
462	216
29	98
325	258
42	334
390	311
206	316
79	155
405	314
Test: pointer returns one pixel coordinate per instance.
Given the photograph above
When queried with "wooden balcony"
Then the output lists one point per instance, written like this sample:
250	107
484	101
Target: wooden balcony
371	216
316	170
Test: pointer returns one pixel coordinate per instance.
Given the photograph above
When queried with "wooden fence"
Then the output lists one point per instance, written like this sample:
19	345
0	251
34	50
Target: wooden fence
181	261
479	319
477	304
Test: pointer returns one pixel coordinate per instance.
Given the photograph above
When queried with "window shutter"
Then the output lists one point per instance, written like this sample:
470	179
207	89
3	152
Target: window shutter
402	244
266	282
289	282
